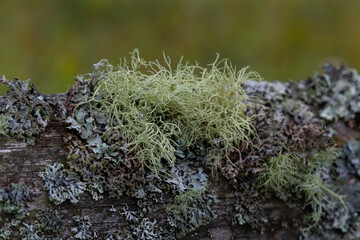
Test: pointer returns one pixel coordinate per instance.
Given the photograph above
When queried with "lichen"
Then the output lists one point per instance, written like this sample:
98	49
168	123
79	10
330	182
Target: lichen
13	200
142	114
351	152
5	230
24	110
82	229
3	125
146	229
293	145
156	136
190	210
50	221
61	184
336	221
286	171
247	210
31	231
156	108
336	90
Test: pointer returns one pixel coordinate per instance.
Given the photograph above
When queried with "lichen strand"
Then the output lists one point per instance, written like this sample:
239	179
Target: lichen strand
23	111
336	222
287	171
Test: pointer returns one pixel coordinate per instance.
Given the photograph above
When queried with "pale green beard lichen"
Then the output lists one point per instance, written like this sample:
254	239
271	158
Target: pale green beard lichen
289	170
184	201
155	106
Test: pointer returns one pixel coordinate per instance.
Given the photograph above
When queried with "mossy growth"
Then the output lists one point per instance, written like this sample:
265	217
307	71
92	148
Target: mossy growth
155	106
288	171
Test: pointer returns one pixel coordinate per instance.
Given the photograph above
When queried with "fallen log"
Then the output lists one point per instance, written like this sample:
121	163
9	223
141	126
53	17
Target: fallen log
100	200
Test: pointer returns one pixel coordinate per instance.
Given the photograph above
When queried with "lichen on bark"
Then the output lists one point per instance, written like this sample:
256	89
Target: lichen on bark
273	145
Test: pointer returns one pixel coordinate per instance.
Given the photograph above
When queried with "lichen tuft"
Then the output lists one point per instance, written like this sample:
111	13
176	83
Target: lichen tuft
155	106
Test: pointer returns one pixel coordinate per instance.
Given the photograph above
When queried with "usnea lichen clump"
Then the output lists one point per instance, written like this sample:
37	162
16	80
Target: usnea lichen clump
157	132
155	106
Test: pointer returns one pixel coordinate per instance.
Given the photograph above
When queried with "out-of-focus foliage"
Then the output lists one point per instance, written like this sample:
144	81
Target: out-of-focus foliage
51	41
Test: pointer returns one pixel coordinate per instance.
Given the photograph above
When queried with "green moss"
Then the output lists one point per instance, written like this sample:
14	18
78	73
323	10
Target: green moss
155	106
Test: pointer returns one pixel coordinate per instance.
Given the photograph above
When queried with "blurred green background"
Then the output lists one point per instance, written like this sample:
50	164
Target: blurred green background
52	41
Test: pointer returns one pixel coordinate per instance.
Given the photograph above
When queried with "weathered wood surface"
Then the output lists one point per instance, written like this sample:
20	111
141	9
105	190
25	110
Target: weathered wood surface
22	162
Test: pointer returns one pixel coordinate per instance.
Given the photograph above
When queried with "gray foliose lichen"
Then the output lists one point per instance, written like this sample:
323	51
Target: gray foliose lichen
23	111
61	184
